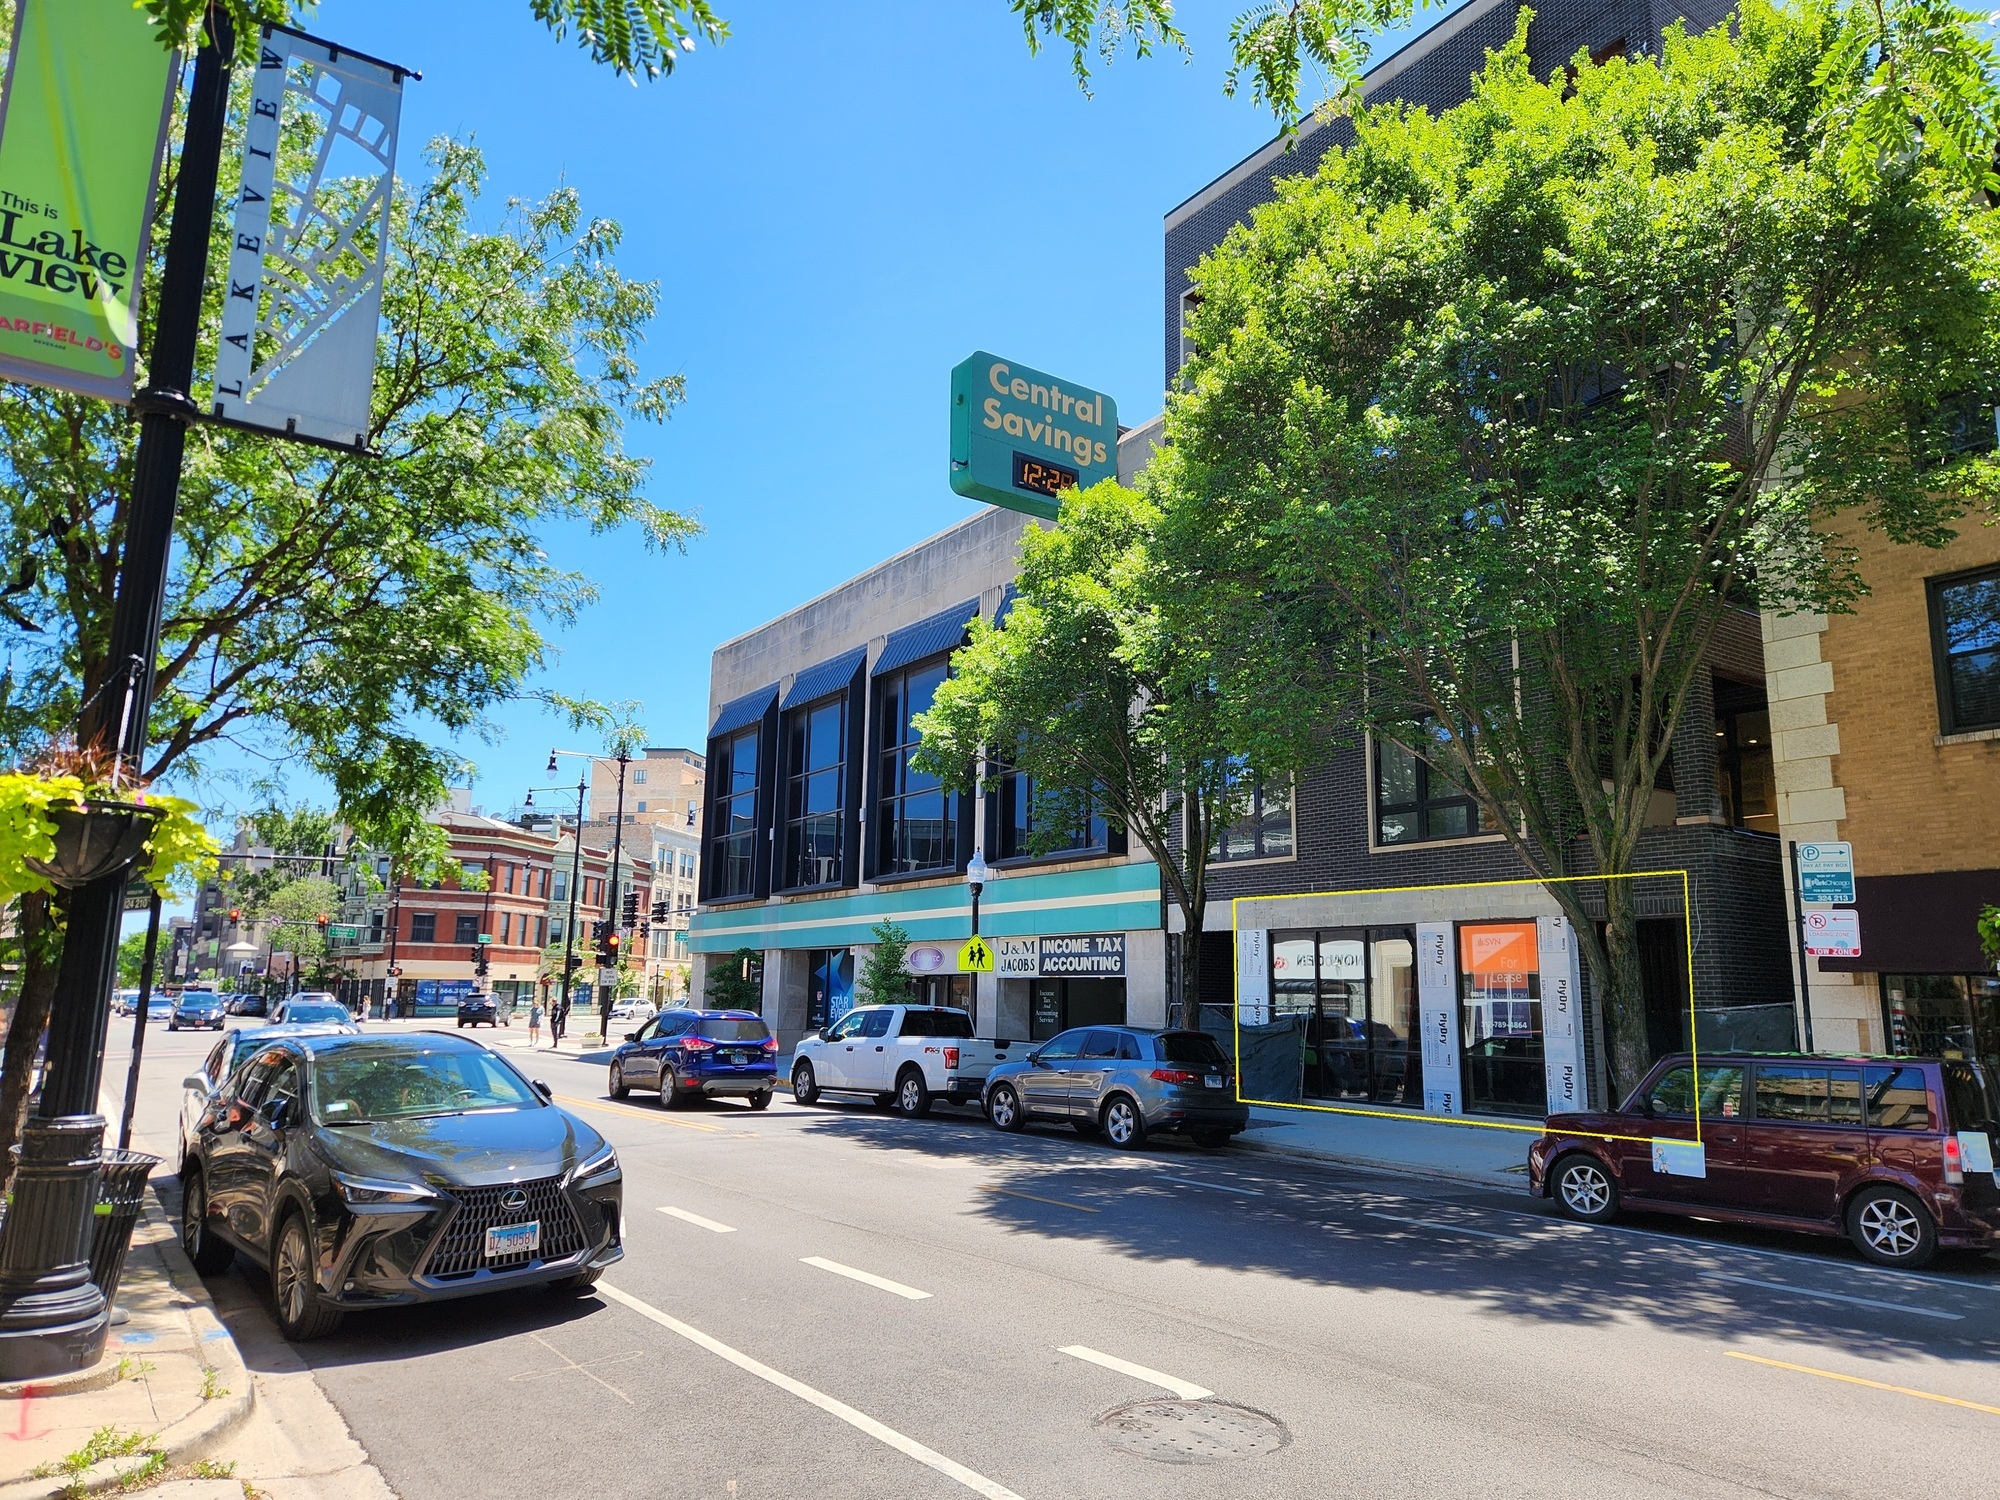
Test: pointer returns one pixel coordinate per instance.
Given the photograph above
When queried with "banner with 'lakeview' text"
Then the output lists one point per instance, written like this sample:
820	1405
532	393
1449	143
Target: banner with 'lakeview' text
81	127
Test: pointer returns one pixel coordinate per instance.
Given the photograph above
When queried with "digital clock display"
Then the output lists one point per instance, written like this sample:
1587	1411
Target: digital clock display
1041	476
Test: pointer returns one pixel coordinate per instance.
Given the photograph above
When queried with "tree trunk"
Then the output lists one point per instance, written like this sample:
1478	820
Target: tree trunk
41	953
1188	943
1621	990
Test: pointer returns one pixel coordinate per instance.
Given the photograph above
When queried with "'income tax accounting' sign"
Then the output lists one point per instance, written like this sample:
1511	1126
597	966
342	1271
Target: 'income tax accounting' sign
1019	438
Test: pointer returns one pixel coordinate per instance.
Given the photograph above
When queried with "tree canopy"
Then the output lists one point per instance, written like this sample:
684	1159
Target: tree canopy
1500	413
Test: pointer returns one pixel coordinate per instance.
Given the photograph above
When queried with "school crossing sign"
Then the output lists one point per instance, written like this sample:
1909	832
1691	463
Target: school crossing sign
976	957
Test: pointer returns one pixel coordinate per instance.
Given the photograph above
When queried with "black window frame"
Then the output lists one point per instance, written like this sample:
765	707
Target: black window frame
1420	809
731	871
425	919
1006	786
885	760
1949	720
465	927
793	824
1254	818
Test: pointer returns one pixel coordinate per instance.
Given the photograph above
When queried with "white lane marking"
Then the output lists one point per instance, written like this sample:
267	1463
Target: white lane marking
1799	1291
882	1282
929	1457
1184	1389
1484	1234
699	1222
1220	1187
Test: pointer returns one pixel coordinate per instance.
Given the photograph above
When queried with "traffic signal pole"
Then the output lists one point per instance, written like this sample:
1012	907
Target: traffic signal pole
613	908
561	1015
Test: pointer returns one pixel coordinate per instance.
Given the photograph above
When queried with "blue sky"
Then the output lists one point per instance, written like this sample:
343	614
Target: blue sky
839	204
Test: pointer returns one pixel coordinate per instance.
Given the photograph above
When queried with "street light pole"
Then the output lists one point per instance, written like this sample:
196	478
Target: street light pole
560	1011
53	1318
615	910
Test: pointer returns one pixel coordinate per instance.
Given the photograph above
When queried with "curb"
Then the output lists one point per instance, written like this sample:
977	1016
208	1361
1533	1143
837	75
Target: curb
194	1435
1364	1163
96	1378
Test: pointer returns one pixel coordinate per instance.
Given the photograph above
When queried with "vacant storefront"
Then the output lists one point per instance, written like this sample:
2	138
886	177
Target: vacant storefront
1943	1015
1353	993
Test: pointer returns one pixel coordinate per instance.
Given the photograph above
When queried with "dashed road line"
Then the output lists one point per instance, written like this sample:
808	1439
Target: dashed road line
1818	1296
867	1278
1875	1385
698	1221
1187	1390
978	1483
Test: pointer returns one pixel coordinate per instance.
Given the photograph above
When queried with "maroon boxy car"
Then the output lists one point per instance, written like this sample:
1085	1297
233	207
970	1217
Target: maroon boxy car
1879	1149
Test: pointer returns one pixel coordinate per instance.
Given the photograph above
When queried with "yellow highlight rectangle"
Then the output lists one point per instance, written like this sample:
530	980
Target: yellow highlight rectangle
1236	990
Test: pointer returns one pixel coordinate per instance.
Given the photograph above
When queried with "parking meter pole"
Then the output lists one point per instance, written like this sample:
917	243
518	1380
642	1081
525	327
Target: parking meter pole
1799	943
139	1025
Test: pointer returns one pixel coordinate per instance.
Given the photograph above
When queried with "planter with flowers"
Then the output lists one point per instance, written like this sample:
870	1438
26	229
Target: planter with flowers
61	831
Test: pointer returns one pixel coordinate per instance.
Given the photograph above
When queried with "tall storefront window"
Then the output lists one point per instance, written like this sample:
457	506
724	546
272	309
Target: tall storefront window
734	777
916	820
1943	1015
1262	828
1500	1018
829	985
815	792
1354	993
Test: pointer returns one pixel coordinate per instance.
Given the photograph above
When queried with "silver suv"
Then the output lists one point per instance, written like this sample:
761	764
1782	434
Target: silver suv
1124	1081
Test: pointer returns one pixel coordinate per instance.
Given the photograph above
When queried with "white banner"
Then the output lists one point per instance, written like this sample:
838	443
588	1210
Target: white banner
1562	1016
1253	976
304	296
1437	1015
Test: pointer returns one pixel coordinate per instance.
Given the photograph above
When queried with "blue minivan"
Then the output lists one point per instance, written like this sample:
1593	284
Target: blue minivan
692	1054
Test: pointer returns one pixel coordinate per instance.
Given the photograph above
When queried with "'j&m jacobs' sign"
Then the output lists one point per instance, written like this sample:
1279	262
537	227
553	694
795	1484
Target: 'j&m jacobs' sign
1019	438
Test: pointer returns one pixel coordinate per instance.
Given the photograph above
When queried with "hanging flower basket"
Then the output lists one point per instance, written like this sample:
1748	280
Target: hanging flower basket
95	839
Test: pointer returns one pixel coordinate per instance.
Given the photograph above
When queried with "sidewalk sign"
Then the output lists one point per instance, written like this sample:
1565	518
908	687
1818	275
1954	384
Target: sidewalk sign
1826	874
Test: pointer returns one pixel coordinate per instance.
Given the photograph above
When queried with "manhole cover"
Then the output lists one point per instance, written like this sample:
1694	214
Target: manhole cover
1191	1432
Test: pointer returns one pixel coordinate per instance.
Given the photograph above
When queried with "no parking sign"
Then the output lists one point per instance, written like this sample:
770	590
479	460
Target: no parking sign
1833	934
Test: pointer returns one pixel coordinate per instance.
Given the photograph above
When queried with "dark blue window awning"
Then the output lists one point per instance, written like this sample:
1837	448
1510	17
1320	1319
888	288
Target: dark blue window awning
942	632
828	677
1005	607
740	713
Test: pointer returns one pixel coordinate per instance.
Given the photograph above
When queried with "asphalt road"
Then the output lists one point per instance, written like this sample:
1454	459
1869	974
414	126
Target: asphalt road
1331	1332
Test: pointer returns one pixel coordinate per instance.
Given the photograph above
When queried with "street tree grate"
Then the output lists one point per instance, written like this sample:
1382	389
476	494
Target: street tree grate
1191	1432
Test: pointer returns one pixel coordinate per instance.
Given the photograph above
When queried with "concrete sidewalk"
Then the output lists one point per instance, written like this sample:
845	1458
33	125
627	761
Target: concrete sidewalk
1412	1144
174	1404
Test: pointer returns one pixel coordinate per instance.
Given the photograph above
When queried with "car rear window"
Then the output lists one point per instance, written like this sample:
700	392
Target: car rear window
316	1010
1969	1097
1193	1049
936	1023
1898	1099
733	1029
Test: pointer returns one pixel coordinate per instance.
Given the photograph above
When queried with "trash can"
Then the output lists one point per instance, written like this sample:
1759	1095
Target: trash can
120	1193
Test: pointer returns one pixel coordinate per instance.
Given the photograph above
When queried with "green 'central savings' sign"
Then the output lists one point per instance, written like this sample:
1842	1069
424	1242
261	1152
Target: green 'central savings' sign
81	127
1019	438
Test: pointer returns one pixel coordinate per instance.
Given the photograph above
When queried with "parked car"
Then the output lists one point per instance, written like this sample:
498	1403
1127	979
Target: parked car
1125	1081
477	1009
373	1171
124	1002
312	1009
160	1007
688	1054
247	1005
905	1056
630	1009
1895	1153
223	1059
197	1009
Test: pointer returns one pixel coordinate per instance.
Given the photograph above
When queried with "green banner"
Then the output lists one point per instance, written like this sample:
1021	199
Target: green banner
81	127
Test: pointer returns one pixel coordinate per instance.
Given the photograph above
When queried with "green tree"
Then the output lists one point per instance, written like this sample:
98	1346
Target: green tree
131	958
1087	690
737	983
1500	415
885	980
293	911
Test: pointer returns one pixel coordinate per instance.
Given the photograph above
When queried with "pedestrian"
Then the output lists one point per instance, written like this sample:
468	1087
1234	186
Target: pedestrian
535	1024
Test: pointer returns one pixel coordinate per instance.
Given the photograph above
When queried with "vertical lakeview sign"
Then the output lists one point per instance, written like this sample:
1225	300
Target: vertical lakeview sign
1019	438
81	127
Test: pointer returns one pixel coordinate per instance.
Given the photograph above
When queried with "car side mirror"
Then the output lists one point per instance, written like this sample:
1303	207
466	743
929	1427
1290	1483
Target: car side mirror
1035	1058
196	1082
543	1089
631	1036
280	1113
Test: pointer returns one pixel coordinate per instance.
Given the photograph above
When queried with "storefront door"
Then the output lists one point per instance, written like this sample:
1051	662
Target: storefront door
1353	994
1059	1004
1500	1018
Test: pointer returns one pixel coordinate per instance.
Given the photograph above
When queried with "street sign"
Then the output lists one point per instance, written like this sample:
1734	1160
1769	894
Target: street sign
138	896
1019	438
975	957
343	932
485	937
1833	934
1826	874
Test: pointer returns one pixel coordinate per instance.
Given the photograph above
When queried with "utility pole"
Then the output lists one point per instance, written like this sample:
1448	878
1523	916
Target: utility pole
614	909
53	1318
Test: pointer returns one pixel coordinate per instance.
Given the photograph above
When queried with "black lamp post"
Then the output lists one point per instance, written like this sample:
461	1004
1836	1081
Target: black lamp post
561	1010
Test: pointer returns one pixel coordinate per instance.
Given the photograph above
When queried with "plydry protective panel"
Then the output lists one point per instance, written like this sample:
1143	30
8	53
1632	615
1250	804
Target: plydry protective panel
1437	1012
1562	1015
1253	976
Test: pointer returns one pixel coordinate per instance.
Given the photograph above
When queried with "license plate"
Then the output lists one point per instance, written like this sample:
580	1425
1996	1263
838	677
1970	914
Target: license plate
1213	1081
513	1239
739	1057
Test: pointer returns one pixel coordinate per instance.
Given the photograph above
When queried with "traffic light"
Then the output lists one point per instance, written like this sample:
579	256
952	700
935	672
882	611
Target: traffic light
479	961
631	908
575	962
598	930
322	921
660	910
235	914
395	971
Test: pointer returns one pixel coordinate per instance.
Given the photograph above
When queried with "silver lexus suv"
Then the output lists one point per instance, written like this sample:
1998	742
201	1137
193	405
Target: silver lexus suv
1125	1081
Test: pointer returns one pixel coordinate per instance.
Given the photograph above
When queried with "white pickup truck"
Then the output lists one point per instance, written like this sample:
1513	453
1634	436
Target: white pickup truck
904	1056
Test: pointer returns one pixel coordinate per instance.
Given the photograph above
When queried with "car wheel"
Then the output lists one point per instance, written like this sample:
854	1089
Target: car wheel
1124	1126
805	1087
1583	1188
1211	1140
618	1088
1890	1227
1003	1108
211	1256
912	1098
295	1295
173	1026
671	1093
761	1100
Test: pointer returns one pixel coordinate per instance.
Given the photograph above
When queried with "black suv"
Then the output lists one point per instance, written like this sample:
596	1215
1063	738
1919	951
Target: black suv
476	1009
